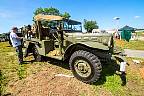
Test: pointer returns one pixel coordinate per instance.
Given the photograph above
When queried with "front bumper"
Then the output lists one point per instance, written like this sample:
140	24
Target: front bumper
121	59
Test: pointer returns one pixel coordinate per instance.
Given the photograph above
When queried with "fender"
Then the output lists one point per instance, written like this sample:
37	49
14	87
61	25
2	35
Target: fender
77	46
96	45
69	50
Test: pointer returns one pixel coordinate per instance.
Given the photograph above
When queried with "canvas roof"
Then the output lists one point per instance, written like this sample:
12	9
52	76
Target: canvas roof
40	17
73	22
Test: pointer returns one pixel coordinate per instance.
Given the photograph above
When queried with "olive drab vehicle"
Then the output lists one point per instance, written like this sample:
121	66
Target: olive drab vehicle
63	39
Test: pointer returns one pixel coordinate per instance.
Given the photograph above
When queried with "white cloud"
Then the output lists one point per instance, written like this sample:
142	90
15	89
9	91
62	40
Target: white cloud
4	15
136	17
9	18
7	14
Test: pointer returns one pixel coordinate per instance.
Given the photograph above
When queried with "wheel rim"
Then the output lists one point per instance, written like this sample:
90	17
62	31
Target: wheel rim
82	68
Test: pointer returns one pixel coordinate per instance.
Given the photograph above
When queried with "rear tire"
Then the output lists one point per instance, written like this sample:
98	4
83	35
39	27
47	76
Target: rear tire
36	54
85	66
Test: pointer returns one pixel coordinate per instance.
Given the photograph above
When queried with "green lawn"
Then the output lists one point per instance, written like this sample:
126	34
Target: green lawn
108	85
140	33
135	45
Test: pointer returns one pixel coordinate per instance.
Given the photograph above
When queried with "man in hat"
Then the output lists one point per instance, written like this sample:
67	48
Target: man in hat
16	42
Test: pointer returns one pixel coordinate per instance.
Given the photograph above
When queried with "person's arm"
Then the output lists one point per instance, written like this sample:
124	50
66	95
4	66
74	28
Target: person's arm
17	37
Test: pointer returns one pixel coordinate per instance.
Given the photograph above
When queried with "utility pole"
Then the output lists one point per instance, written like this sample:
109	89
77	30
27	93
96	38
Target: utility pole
117	24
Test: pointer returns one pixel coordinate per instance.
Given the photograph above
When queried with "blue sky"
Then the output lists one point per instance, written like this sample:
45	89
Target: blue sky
20	12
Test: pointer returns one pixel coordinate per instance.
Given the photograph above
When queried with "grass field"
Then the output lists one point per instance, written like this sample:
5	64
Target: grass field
16	78
135	45
140	34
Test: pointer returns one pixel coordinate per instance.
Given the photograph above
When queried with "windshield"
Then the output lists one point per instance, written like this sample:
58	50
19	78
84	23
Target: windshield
67	25
72	26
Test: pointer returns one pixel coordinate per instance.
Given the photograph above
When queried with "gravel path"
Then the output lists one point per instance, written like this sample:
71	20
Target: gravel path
134	53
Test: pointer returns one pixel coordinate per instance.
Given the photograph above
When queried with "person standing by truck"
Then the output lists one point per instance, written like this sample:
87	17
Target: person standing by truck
16	42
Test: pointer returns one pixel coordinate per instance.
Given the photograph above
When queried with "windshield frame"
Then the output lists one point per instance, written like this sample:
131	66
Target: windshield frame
72	26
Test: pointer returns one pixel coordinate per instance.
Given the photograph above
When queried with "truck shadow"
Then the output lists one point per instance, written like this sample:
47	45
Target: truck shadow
63	64
109	69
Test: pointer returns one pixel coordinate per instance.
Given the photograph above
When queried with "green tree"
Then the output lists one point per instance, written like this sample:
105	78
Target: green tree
51	11
66	15
47	11
90	25
38	11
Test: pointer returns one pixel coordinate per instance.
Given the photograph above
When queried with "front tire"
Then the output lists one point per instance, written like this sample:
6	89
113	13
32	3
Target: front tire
85	66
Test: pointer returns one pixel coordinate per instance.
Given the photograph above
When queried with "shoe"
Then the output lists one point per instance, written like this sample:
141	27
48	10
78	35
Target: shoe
20	63
25	56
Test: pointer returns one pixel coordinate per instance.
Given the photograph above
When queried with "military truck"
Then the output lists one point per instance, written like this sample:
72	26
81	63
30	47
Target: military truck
64	40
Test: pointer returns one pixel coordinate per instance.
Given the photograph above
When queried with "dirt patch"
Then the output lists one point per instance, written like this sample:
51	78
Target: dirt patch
142	72
103	92
47	84
135	84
